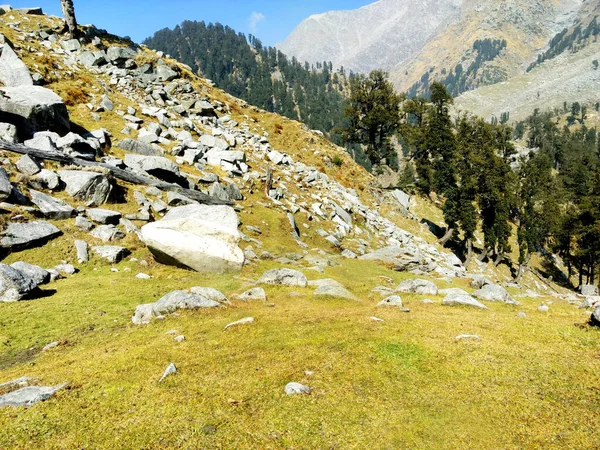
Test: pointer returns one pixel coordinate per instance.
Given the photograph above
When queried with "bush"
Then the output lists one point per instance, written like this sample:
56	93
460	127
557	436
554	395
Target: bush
337	161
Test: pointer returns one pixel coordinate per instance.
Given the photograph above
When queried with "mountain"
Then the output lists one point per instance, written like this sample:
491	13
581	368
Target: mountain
517	30
377	36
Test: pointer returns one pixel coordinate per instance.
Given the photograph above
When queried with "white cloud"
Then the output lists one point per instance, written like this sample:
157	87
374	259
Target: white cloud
254	19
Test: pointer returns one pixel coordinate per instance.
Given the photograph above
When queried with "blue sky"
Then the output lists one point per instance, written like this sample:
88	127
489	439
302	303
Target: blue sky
270	20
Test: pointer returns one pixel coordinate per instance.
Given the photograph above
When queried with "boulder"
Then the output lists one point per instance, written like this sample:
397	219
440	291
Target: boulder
5	186
112	253
284	277
46	179
28	165
138	147
461	299
14	284
91	187
402	198
595	319
201	237
334	291
494	293
29	395
108	233
169	304
103	216
297	389
91	59
33	108
8	133
82	251
119	55
393	300
36	273
12	70
157	166
253	294
417	286
20	236
588	290
209	293
51	207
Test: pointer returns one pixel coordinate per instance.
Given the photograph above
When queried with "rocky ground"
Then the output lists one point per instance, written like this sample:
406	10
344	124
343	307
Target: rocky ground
132	191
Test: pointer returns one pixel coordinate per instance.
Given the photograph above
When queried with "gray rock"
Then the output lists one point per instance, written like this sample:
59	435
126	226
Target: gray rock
8	133
165	73
67	269
5	186
92	59
543	308
36	273
588	290
112	253
393	300
202	237
46	179
33	108
71	45
252	295
334	291
209	293
119	55
91	187
157	166
106	103
461	299
107	233
143	276
12	70
595	319
297	389
170	370
179	338
402	198
467	337
133	146
285	277
177	199
36	11
182	300
494	293
103	216
83	224
50	207
20	236
244	321
417	286
28	165
204	108
82	251
14	284
29	396
479	281
295	230
349	254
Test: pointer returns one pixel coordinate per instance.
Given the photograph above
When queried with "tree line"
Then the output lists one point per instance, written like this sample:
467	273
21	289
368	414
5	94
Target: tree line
549	194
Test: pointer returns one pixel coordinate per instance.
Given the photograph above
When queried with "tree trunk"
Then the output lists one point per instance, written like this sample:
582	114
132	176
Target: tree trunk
446	237
469	253
522	269
121	174
499	259
483	254
70	21
580	274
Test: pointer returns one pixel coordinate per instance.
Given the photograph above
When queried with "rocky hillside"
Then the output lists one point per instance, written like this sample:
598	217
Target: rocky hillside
525	26
378	36
182	270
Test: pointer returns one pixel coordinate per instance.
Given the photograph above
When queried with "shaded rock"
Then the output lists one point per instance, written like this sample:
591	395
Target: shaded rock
157	166
595	318
112	253
36	273
138	147
5	186
334	291
45	179
12	70
202	237
8	133
417	286
29	396
119	55
14	284
452	291
170	370
588	290
253	294
209	293
83	224
33	108
494	293
28	165
285	277
177	199
108	233
461	299
82	251
67	269
297	389
20	236
51	207
393	300
90	187
349	254
91	59
244	321
103	216
479	281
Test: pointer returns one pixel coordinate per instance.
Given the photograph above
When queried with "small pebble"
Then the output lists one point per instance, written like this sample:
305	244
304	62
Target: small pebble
179	338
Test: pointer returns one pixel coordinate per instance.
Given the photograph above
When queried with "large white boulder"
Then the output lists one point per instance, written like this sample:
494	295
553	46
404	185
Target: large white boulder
201	237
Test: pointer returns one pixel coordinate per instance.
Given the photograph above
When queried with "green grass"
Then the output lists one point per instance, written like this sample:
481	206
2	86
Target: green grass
403	383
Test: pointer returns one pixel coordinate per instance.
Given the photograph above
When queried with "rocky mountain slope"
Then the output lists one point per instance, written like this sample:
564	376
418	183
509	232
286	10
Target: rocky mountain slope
263	264
378	36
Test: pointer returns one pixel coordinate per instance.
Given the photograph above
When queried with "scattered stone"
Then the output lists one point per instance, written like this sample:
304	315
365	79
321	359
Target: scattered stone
107	233
334	291
494	293
8	133
521	315
376	319
253	294
465	337
245	321
171	370
285	277
543	308
68	269
210	293
133	146
169	304
402	198
36	273
297	389
112	253
103	216
14	284
393	300
588	290
51	207
28	165
5	186
202	237
417	286
82	251
428	301
179	338
83	224
29	396
45	179
349	254
143	276
50	346
91	187
460	299
21	236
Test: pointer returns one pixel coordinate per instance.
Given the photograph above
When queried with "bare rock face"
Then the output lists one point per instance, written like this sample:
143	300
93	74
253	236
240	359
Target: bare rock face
33	108
201	237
